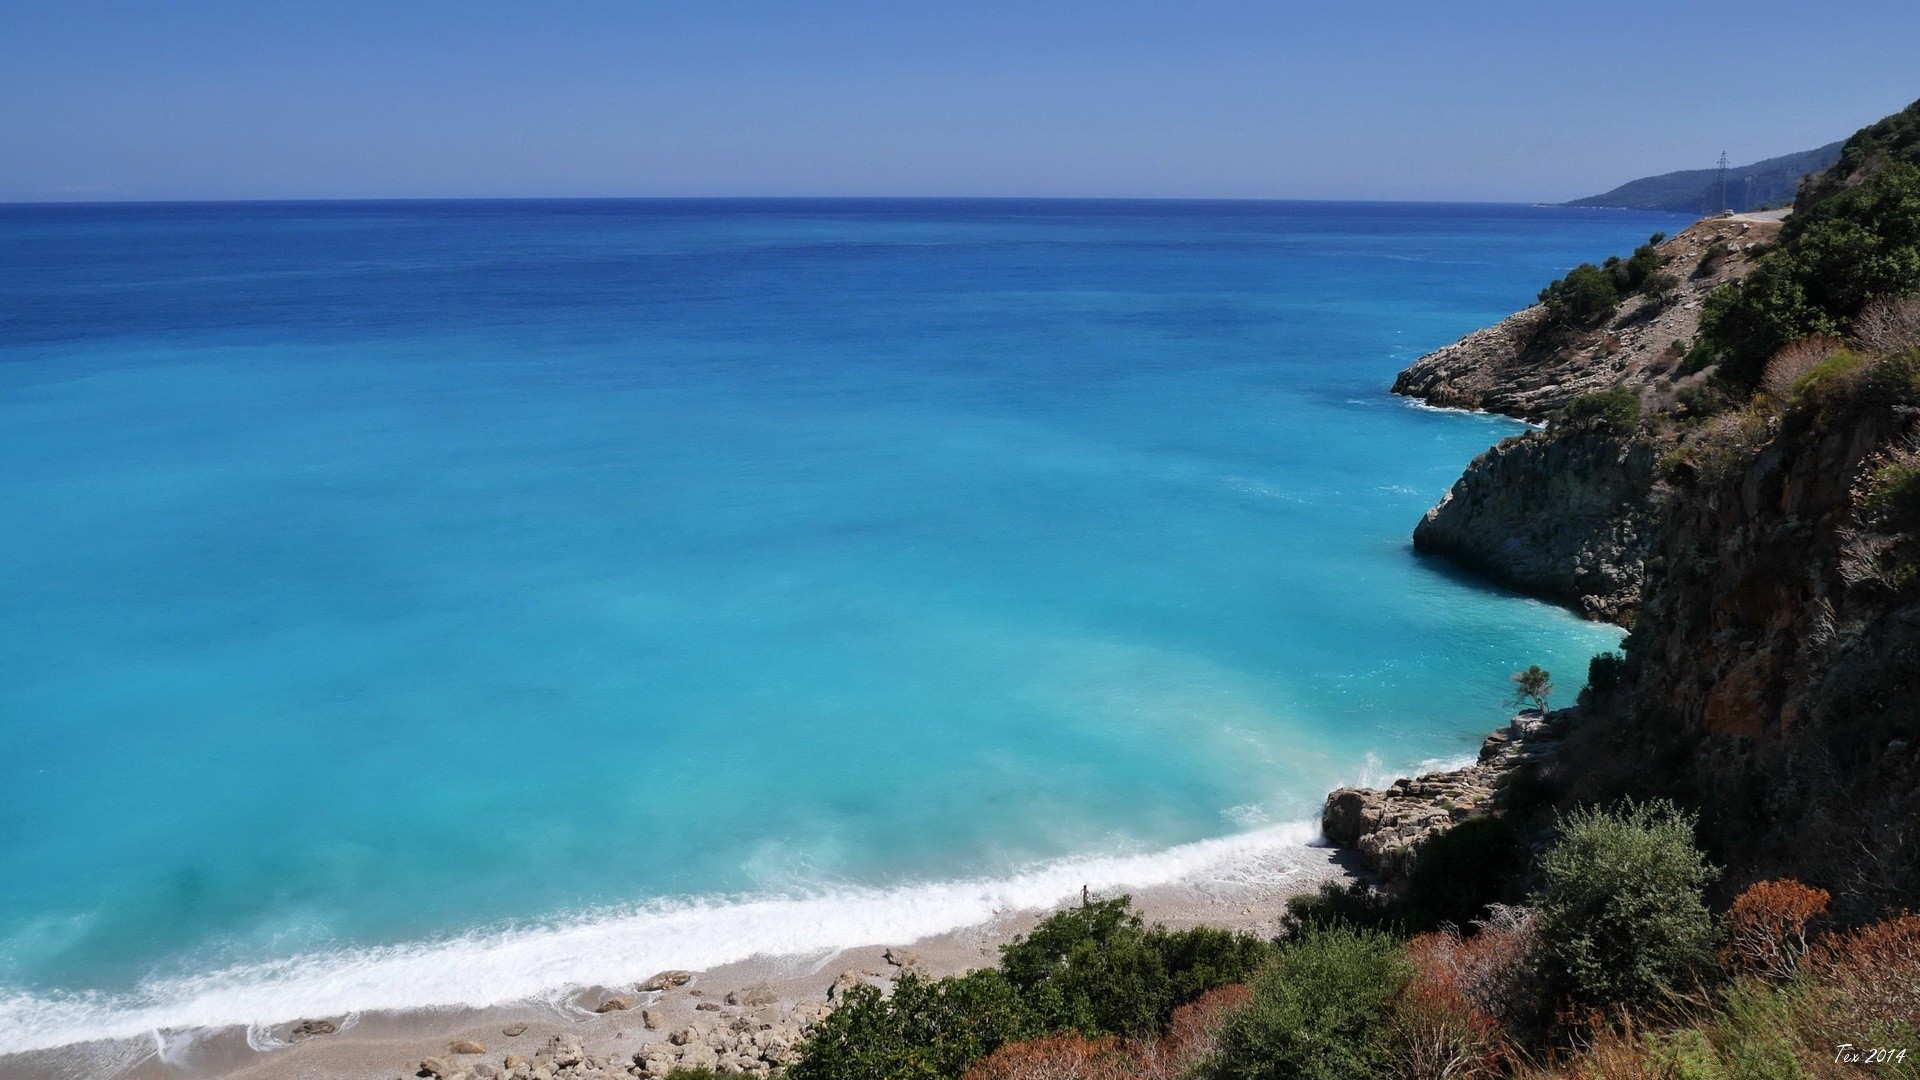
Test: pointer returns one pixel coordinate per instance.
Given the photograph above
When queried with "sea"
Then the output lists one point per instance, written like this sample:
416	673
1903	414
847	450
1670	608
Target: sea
410	604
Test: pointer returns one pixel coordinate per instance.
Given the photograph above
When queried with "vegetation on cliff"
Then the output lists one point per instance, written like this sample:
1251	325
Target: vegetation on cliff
1832	261
1615	969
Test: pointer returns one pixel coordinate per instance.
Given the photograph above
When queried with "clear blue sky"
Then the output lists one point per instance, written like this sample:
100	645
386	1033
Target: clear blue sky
1401	100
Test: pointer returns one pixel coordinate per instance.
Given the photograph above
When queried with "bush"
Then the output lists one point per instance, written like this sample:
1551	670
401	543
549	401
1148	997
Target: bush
1057	1057
1766	927
1320	1011
1795	362
1703	399
1606	672
1829	378
1585	296
1192	1035
1888	325
1620	908
1874	974
1344	905
1098	970
1832	261
1493	972
1889	493
1459	871
1711	258
1618	408
1437	1029
924	1030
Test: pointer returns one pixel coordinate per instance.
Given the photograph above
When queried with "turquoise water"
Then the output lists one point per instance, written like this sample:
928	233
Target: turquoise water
401	595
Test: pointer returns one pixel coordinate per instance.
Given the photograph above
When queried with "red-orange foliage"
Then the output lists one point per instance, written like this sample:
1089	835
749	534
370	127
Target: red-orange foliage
1189	1038
1445	1020
1056	1057
1482	971
1190	1034
1874	972
1767	927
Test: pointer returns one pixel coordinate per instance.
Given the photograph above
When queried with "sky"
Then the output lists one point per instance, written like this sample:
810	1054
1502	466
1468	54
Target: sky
1361	99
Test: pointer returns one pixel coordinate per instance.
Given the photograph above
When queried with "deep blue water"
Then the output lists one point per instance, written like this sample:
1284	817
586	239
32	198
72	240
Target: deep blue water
379	572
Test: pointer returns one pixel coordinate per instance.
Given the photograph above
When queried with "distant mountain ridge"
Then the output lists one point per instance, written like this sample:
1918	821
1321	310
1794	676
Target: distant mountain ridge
1772	182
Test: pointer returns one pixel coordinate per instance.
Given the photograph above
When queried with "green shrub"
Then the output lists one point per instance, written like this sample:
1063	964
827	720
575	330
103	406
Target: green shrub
1827	377
1890	497
1098	970
1348	905
1620	905
1661	286
1605	672
1855	247
1703	399
1618	408
1711	258
1204	958
1585	296
924	1030
1319	1012
1456	873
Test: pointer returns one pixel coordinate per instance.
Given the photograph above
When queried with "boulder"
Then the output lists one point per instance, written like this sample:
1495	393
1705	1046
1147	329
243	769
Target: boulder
466	1046
666	980
514	1029
753	996
617	1003
307	1029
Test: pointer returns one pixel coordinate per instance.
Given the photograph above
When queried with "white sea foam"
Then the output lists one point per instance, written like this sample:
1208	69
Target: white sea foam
613	947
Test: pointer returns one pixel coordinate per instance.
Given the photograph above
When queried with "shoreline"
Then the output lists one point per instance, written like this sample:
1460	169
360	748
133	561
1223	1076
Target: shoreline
1237	881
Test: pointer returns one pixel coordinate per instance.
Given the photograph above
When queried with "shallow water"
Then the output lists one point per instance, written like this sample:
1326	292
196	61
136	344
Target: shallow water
500	575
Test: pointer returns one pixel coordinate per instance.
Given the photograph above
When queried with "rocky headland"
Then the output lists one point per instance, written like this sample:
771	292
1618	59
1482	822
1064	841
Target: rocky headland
1743	491
1527	367
1384	827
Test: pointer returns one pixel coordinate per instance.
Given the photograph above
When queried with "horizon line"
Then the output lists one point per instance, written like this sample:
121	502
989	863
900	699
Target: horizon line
1250	199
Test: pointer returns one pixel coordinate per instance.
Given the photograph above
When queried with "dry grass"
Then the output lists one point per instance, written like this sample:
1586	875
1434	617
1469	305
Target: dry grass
1795	362
1888	326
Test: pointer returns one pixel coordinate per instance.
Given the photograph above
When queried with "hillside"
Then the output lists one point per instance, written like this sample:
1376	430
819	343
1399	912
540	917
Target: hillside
1772	182
1748	501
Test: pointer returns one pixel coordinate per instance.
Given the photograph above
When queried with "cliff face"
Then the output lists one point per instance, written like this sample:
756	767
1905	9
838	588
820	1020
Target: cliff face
1773	679
1524	367
1567	517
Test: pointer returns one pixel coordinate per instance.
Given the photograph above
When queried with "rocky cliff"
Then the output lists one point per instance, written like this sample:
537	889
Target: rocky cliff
1565	516
1385	826
1524	366
1756	523
1773	679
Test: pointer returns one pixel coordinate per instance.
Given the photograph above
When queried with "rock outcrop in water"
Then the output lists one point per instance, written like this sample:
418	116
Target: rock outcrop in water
1384	827
1566	516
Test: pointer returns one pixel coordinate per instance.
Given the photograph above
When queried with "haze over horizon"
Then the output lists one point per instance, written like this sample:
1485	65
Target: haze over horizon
1507	102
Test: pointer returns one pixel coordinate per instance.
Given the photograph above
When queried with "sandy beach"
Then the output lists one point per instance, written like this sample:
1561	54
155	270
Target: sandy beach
770	993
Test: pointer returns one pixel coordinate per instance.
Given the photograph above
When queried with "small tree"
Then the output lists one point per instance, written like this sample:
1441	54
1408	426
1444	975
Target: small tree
1585	296
1532	688
1620	909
